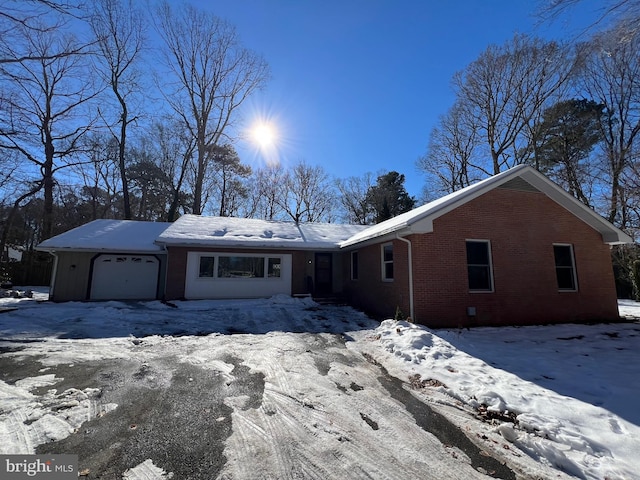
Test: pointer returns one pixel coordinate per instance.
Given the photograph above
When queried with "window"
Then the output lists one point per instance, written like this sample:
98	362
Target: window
387	262
354	265
240	267
206	267
273	269
565	267
479	266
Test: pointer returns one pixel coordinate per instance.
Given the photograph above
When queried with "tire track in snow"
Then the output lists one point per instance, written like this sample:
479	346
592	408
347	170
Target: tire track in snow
309	423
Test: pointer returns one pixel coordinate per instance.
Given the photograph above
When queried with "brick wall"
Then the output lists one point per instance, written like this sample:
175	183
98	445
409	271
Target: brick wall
522	228
370	293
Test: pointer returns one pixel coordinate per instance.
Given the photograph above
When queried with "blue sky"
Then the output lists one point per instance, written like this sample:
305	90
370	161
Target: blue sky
357	85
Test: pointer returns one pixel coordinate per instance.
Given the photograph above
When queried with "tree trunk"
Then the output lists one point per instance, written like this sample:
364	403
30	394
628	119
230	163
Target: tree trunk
197	190
48	185
121	159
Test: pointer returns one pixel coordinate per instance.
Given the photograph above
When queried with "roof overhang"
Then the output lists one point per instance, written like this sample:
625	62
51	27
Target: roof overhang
57	250
251	245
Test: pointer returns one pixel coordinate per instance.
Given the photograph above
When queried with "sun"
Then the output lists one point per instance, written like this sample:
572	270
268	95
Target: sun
264	134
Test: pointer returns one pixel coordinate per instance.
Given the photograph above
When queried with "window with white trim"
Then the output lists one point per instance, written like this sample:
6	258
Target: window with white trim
387	262
565	267
479	269
274	267
239	266
206	267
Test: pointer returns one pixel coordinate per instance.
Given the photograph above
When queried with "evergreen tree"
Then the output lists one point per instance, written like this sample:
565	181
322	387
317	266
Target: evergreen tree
388	197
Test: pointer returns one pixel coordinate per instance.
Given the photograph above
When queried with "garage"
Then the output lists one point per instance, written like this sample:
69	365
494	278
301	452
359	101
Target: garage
124	277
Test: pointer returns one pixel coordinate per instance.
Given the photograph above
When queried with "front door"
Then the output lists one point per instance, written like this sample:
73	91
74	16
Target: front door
323	274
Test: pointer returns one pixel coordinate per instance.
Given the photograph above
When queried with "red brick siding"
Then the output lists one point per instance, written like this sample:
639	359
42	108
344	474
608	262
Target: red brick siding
372	294
522	228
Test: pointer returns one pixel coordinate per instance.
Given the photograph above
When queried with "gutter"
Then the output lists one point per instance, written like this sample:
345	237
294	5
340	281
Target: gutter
410	262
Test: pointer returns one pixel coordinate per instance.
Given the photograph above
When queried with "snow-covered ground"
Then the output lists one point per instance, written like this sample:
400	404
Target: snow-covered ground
555	397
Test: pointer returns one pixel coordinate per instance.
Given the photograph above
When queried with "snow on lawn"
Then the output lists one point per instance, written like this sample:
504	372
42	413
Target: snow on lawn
566	394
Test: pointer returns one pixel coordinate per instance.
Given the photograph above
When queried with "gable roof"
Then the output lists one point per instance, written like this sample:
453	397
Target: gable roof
420	220
130	236
192	230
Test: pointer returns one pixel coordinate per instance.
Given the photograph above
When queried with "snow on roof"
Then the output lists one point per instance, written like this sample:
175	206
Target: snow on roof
432	210
248	232
112	235
406	219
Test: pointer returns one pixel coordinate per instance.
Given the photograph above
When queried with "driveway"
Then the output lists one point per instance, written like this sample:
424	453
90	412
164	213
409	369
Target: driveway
280	403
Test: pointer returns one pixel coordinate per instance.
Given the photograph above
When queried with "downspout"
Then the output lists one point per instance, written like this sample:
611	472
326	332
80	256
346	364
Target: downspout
163	293
54	273
410	261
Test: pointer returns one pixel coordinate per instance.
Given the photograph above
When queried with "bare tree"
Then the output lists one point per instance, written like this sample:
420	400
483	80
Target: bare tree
41	123
354	198
119	27
97	173
307	194
213	76
175	148
264	189
36	17
609	12
611	76
502	90
450	153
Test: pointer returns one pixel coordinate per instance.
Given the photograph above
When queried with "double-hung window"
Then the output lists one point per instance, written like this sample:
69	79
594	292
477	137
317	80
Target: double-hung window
479	269
565	268
387	262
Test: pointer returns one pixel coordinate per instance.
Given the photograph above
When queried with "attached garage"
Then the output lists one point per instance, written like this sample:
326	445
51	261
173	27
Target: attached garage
107	260
124	277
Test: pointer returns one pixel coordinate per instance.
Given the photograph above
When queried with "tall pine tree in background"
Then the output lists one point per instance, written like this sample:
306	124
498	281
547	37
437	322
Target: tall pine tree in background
388	197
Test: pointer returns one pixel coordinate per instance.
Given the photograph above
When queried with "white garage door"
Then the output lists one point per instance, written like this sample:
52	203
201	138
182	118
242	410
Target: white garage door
124	277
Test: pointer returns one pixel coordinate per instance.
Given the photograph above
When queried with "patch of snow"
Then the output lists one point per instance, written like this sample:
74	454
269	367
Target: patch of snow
146	471
28	420
571	389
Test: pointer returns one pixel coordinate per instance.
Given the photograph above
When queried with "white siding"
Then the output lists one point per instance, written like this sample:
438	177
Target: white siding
198	287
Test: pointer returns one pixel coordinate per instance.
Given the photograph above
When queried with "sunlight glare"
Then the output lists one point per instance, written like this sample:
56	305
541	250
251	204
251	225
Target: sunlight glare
264	135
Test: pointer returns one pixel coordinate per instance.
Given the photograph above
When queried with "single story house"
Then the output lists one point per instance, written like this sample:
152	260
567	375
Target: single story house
512	249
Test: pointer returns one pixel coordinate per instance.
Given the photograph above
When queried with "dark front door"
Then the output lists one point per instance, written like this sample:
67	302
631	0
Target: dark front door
323	274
